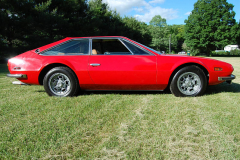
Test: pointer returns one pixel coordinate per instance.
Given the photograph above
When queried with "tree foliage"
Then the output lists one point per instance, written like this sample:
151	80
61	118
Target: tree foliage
162	34
211	26
158	29
28	24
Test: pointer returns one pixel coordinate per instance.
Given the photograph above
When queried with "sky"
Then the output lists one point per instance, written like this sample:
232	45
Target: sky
174	11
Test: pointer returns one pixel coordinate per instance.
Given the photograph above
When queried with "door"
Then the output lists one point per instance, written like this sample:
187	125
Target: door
113	66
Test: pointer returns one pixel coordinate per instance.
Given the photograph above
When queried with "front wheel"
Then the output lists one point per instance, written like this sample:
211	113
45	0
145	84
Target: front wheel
189	81
61	82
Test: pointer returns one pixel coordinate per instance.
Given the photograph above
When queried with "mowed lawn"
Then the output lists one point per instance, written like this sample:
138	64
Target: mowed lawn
119	125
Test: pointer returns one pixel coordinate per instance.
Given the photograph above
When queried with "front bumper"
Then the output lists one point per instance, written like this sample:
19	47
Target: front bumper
227	79
17	75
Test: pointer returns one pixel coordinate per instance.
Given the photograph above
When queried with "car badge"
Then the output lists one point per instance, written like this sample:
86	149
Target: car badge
37	50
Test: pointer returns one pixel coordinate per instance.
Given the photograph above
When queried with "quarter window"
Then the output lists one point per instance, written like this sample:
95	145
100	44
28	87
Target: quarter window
74	47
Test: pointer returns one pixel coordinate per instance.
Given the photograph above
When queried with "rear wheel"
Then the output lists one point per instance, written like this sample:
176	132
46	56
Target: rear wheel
61	82
189	81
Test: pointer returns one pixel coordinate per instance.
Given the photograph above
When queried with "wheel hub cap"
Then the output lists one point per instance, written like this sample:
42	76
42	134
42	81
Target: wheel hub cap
59	84
189	83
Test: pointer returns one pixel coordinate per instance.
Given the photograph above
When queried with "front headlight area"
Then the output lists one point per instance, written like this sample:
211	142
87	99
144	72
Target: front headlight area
15	64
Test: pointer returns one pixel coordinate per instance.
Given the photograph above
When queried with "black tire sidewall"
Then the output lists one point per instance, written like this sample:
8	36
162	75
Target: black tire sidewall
174	88
69	74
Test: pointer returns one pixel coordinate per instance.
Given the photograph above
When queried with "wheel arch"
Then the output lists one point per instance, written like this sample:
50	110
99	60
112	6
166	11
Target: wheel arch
47	68
188	64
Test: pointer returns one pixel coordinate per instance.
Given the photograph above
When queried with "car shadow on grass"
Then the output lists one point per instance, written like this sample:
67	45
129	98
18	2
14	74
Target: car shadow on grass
123	92
223	87
82	93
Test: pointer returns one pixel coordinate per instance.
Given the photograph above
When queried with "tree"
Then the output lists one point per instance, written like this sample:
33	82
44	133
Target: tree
166	37
179	31
158	29
238	38
28	24
211	25
158	21
136	30
11	28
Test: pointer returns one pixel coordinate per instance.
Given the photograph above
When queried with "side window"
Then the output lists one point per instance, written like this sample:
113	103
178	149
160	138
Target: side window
109	47
134	49
74	47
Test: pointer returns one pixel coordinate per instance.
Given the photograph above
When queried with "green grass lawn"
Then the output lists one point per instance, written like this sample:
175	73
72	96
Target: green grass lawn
119	125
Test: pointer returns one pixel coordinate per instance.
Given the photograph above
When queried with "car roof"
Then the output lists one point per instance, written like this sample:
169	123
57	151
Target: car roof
42	48
97	37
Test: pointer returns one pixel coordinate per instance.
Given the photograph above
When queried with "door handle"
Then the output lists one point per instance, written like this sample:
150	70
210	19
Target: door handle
95	64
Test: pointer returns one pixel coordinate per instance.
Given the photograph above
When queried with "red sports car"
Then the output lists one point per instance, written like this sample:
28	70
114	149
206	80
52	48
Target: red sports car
114	63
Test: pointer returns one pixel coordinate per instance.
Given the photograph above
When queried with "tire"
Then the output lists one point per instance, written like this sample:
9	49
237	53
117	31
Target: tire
61	82
189	81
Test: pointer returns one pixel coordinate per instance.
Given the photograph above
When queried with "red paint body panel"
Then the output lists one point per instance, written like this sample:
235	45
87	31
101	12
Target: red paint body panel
116	72
79	64
119	72
167	64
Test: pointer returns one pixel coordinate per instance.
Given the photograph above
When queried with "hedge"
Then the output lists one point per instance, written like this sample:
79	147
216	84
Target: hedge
232	53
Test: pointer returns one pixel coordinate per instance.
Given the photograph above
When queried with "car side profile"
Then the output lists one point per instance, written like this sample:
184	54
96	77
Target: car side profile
114	63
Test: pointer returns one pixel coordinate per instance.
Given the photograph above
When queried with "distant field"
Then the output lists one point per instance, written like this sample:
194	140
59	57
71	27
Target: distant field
119	125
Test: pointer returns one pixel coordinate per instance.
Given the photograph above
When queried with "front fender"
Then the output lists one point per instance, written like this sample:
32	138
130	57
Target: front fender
167	66
192	61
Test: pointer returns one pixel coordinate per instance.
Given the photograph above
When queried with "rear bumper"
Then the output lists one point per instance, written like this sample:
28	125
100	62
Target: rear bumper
17	75
229	78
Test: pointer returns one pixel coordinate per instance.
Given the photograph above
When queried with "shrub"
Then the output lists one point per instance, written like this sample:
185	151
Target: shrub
232	53
235	52
195	52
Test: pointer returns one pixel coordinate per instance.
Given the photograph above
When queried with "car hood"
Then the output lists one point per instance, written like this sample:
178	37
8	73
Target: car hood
208	63
192	57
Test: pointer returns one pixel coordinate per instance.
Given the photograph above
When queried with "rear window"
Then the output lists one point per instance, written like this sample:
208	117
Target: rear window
73	47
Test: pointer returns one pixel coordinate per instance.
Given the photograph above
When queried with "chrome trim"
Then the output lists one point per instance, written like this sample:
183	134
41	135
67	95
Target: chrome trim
227	78
17	75
95	64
